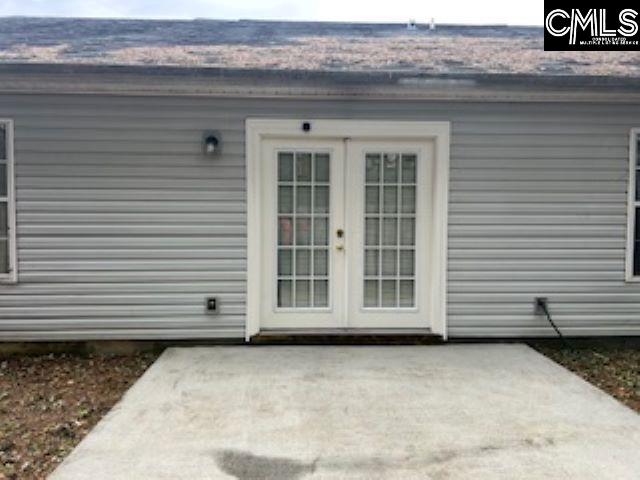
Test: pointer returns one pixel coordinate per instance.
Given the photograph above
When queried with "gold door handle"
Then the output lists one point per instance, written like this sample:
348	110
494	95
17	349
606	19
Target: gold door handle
340	248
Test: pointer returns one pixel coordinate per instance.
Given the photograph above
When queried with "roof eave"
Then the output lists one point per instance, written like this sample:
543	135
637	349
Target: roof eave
186	81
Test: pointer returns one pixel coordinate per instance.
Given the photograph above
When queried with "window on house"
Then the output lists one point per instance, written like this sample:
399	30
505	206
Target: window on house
633	249
7	213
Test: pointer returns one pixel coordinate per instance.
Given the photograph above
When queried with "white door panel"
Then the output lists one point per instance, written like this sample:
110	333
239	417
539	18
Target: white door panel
346	229
388	233
303	207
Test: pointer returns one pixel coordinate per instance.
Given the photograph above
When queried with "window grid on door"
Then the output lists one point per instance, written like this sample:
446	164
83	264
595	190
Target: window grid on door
303	229
390	230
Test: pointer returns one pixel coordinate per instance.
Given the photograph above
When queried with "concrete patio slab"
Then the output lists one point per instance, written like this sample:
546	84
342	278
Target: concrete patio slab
287	413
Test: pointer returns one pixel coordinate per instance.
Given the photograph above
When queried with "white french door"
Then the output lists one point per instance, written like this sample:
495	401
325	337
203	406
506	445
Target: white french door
388	218
302	209
346	231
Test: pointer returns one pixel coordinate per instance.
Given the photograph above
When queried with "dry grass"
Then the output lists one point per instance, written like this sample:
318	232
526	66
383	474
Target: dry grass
613	366
49	403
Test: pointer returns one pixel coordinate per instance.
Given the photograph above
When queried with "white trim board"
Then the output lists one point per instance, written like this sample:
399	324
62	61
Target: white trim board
139	82
632	204
12	276
260	129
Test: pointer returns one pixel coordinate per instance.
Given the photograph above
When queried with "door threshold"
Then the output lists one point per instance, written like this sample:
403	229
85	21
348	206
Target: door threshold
347	336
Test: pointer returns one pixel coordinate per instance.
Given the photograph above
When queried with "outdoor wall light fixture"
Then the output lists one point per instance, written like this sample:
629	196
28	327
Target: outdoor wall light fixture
211	144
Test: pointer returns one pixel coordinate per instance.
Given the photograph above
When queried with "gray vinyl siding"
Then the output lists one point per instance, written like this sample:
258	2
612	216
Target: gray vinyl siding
124	227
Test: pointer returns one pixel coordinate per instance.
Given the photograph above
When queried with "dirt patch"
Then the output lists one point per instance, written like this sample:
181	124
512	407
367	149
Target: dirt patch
613	366
49	403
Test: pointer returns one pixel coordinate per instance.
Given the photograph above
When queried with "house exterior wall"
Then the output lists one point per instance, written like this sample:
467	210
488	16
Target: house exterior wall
124	226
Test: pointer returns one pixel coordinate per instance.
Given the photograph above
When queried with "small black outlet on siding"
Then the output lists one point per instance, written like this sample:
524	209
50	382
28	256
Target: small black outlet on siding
211	305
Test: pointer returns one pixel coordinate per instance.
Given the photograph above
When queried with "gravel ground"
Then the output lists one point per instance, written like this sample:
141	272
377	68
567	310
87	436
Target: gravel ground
612	366
49	403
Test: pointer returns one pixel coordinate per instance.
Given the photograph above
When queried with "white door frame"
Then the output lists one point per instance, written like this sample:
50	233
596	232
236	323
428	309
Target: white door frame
259	129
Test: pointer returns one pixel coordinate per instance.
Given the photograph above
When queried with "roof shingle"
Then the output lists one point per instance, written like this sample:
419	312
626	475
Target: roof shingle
447	49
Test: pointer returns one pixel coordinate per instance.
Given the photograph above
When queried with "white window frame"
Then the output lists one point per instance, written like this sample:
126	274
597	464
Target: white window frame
634	136
260	129
12	276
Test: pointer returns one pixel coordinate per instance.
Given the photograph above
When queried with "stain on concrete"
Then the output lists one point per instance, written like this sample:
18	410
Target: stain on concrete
248	466
437	459
446	456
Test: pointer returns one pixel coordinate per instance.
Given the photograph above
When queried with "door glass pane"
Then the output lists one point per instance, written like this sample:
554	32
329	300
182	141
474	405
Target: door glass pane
406	293
408	200
285	231
371	293
285	293
407	231
407	262
285	199
321	168
303	262
371	259
321	231
372	168
388	293
408	169
3	179
390	231
320	262
372	231
285	167
389	262
320	293
3	142
303	199
390	221
321	200
390	202
303	167
372	200
303	293
4	256
4	220
390	167
285	262
303	230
